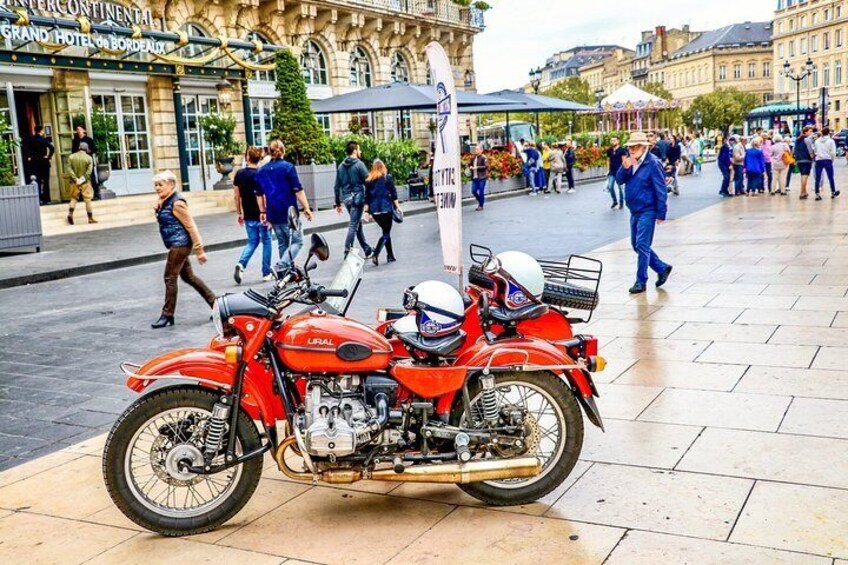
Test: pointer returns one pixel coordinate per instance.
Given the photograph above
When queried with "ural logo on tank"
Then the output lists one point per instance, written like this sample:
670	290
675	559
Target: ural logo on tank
319	341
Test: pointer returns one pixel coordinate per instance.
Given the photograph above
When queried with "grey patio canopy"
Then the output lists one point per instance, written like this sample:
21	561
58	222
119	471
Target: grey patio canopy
523	102
400	96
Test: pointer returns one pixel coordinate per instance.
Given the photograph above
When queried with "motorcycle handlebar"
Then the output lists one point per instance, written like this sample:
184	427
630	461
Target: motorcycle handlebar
329	292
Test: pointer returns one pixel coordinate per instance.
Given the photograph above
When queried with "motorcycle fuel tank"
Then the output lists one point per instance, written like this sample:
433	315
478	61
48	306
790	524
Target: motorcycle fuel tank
323	343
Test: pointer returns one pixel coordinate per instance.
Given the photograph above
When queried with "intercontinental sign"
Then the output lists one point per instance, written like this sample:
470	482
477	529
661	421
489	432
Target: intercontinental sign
95	11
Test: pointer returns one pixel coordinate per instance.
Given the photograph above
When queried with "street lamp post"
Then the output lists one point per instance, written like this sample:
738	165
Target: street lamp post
599	96
787	71
696	120
535	83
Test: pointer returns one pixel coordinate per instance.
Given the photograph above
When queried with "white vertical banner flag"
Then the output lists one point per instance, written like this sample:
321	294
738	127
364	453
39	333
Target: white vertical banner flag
447	177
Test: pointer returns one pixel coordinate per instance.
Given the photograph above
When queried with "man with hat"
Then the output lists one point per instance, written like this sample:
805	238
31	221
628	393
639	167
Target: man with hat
645	192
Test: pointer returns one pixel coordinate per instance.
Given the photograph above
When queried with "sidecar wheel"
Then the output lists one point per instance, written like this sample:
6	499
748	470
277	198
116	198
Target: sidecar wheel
146	454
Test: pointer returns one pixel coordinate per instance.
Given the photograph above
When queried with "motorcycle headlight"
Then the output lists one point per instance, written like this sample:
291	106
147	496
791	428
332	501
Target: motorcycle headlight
217	322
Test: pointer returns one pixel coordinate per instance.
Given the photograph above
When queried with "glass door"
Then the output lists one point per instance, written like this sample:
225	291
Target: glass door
131	162
201	157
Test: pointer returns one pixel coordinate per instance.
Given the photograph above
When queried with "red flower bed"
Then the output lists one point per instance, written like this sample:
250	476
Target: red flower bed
502	165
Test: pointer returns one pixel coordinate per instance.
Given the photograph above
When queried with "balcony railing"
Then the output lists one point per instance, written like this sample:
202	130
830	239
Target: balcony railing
440	10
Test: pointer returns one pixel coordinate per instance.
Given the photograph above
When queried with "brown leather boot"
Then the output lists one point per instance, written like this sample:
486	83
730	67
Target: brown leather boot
91	219
70	219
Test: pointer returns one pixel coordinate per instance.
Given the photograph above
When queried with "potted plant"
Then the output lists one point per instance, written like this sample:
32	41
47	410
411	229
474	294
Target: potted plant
218	132
19	204
104	128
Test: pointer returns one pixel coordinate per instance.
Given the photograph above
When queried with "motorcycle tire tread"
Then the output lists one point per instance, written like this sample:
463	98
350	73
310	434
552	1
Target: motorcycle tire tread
560	295
562	394
138	413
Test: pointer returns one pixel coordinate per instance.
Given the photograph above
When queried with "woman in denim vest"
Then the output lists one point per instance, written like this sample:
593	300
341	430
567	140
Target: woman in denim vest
181	237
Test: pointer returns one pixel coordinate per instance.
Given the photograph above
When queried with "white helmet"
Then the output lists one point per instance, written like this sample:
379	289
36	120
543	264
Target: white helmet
406	325
524	277
439	309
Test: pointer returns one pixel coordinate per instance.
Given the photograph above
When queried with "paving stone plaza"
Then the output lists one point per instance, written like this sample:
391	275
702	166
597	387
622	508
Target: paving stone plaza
725	402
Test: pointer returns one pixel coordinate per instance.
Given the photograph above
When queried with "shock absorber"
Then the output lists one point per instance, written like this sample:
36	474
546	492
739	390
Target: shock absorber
215	429
489	398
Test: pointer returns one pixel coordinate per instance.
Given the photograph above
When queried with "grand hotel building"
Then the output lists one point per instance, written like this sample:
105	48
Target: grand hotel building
166	63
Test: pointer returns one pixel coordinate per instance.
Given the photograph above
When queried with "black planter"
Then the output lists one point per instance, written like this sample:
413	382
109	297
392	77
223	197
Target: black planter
224	165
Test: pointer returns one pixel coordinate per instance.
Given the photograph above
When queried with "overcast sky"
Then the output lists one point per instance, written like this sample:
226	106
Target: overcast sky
521	34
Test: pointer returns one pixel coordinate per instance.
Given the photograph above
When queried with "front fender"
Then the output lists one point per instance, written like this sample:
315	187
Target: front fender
210	369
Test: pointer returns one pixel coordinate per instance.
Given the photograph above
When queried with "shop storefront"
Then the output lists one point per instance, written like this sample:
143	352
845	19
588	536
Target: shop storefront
68	63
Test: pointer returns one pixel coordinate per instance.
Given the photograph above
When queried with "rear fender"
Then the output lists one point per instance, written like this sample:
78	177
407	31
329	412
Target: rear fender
210	369
527	354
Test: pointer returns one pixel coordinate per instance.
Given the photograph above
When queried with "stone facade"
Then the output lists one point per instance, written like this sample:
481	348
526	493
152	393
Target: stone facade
610	72
815	31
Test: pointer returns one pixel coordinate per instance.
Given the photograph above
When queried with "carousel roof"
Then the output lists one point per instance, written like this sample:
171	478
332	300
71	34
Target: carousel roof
629	97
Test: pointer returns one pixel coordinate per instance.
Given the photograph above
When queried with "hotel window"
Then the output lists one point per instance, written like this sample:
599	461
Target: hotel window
722	72
400	68
826	74
324	121
263	58
737	71
838	12
360	68
780	50
802	45
752	70
766	69
792	25
825	41
815	78
130	114
803	23
792	48
837	72
314	64
827	14
814	43
837	38
814	18
261	114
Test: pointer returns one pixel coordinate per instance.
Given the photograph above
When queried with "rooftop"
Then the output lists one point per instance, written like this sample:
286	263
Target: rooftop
735	35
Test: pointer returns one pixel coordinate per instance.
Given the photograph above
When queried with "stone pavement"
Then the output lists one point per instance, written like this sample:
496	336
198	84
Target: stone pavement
725	402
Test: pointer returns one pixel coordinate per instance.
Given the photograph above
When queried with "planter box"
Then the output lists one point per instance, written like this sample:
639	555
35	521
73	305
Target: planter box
497	186
20	217
590	174
318	183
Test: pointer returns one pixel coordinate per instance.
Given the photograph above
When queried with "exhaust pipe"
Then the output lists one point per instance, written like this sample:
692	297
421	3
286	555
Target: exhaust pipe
447	473
464	473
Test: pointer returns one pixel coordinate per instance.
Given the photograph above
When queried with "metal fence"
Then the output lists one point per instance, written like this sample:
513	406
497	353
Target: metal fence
20	217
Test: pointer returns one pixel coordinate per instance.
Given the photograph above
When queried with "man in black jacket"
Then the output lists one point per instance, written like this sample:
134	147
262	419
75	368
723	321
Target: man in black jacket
350	191
672	160
39	154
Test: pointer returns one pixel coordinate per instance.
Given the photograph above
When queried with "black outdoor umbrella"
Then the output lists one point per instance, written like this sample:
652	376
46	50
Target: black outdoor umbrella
399	96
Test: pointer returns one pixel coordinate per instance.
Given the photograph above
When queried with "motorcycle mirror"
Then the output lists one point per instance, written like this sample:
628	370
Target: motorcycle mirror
319	247
294	218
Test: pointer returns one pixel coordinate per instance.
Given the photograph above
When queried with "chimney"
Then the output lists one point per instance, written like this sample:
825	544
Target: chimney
662	41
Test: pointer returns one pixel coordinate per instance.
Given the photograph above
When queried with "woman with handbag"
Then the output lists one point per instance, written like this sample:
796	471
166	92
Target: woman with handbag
781	160
381	203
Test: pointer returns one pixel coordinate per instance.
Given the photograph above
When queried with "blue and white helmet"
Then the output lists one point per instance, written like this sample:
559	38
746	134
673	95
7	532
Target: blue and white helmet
438	308
524	279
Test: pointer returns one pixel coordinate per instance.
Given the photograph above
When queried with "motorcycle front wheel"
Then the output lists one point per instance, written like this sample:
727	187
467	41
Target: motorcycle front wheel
553	433
146	458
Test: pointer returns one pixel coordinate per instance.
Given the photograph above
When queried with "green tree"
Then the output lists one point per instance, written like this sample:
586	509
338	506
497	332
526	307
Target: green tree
658	89
573	89
294	122
721	109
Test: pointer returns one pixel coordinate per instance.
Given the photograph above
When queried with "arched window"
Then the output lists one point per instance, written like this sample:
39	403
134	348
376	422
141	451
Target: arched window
193	50
259	57
360	68
314	64
400	69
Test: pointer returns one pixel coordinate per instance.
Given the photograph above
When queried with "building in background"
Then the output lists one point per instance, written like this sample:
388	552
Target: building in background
606	74
157	92
813	31
656	48
738	55
567	64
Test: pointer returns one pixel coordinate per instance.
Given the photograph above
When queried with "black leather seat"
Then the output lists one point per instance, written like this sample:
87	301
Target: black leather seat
439	346
505	316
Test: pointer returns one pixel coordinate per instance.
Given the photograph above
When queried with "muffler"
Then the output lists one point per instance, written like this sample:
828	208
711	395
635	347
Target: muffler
464	473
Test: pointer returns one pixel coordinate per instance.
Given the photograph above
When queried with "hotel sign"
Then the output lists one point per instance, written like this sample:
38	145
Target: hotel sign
94	10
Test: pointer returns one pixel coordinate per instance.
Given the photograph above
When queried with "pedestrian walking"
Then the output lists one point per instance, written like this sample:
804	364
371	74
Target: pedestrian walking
672	156
546	168
755	166
250	207
725	164
615	154
557	161
381	203
570	159
80	167
647	197
278	184
79	138
766	148
804	155
697	149
533	164
781	161
738	160
479	176
182	238
350	191
825	151
39	154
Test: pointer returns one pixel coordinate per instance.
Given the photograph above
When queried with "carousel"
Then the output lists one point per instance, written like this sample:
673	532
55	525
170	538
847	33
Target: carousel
632	109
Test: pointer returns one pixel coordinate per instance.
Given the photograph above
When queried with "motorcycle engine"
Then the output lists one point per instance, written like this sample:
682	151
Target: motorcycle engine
336	423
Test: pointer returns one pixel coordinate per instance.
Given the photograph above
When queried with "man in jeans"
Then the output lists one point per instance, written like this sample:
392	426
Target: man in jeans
725	161
825	149
737	157
479	175
247	197
350	190
280	189
614	156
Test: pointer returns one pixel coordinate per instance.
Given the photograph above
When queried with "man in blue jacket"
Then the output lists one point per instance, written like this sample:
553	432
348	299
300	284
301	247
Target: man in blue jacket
724	163
646	195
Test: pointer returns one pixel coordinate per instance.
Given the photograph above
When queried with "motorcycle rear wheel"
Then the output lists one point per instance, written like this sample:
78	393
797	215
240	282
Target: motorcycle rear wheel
167	519
554	391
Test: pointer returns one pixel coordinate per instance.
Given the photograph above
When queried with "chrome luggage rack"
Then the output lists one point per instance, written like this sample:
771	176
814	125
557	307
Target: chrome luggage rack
580	271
